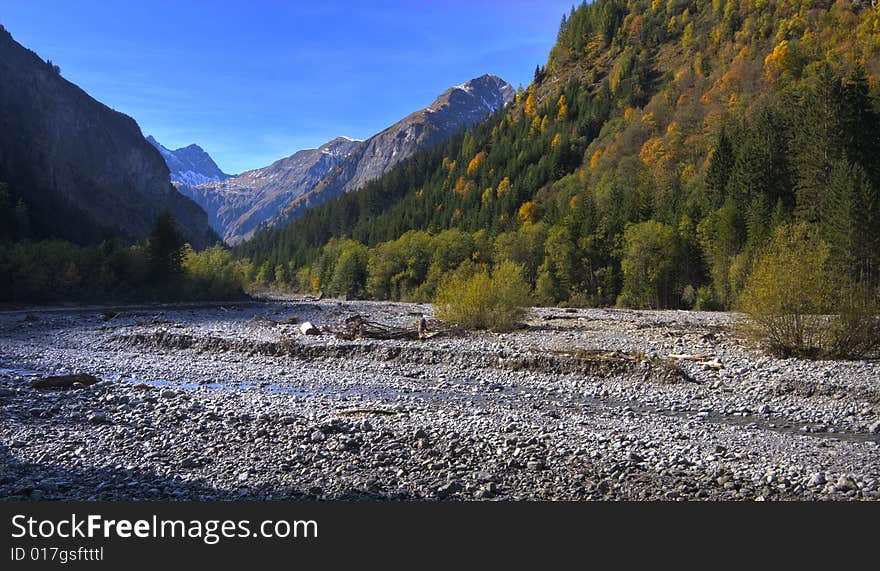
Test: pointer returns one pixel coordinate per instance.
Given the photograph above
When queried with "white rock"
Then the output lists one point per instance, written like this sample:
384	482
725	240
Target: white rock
308	329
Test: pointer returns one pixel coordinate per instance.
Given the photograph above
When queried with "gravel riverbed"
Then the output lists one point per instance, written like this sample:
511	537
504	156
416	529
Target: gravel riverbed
230	401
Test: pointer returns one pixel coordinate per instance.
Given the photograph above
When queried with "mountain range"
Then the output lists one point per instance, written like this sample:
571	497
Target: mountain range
189	165
239	206
83	170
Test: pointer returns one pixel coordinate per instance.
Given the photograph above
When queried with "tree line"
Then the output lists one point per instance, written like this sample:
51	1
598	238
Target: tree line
162	268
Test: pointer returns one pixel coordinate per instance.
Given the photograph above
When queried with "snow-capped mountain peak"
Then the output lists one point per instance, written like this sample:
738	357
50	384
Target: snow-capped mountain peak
189	165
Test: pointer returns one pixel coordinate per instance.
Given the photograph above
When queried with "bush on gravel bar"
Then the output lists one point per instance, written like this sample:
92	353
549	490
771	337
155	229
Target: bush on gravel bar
485	300
799	306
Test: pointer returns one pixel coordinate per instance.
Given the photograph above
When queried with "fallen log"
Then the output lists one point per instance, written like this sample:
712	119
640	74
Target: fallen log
686	357
308	329
65	381
360	411
356	326
714	364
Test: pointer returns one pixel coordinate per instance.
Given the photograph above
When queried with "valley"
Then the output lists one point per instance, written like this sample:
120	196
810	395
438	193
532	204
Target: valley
231	401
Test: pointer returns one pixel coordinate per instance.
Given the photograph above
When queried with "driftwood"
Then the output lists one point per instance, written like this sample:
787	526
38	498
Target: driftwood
267	321
308	329
364	411
686	357
64	381
567	316
707	361
357	327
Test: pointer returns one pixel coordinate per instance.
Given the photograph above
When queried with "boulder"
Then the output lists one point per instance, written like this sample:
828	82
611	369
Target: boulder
308	329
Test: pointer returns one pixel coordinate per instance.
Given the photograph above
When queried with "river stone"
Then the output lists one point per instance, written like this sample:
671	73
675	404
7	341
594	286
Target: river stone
308	329
845	483
817	479
448	489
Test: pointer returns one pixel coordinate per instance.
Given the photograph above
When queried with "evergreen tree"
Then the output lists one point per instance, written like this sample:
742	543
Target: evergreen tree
860	124
22	218
817	142
718	173
165	248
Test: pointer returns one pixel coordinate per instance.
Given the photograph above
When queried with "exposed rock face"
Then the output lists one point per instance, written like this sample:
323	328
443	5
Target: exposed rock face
85	170
189	165
456	109
238	205
283	190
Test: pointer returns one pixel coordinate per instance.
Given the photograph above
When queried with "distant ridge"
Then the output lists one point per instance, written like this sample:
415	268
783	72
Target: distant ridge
240	205
189	165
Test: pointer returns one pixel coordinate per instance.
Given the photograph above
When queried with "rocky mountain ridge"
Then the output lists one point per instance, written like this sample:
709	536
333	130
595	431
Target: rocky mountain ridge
190	165
239	206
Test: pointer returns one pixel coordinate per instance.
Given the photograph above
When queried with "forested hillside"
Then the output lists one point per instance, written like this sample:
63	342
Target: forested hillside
648	164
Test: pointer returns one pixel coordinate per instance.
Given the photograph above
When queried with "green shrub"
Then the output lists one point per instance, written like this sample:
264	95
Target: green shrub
546	289
495	301
798	307
350	271
707	300
788	294
855	331
647	264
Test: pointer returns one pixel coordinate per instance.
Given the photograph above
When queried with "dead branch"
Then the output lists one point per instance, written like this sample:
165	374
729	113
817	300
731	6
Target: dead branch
358	327
364	411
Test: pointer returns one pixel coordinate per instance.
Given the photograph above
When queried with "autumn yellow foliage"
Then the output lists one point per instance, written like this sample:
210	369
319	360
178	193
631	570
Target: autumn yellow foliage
463	186
531	105
561	109
503	187
594	160
474	164
528	212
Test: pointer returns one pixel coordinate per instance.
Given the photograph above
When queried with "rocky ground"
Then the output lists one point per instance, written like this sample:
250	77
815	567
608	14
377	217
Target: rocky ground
232	402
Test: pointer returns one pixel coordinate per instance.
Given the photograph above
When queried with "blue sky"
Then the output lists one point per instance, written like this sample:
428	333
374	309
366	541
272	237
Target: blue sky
254	81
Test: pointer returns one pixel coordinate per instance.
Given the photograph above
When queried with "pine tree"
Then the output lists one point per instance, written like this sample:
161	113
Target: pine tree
817	142
165	248
860	124
838	221
718	173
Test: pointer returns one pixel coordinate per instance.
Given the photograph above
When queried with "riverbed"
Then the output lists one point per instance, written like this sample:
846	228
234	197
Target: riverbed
231	401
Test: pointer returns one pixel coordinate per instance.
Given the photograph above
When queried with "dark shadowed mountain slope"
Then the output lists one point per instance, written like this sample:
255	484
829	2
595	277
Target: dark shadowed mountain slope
84	170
